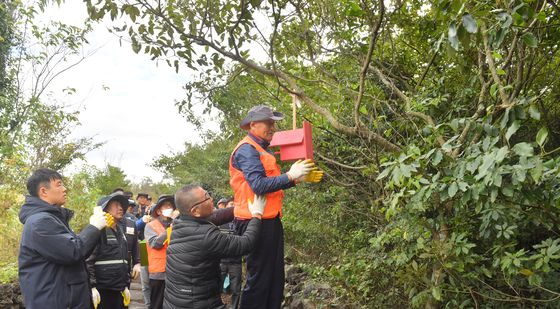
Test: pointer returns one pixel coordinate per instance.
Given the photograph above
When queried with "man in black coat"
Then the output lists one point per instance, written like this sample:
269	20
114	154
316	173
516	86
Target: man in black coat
128	224
52	271
197	245
108	267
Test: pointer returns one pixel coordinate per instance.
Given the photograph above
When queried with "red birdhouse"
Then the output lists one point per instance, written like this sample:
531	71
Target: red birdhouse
294	144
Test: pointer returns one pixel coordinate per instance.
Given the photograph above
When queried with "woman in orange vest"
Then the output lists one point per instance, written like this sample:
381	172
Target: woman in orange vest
253	170
157	234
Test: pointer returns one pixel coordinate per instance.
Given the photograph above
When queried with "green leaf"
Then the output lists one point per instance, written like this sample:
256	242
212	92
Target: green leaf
506	20
537	171
534	112
513	128
452	190
523	149
493	90
437	158
363	110
354	10
452	36
436	293
530	39
542	135
384	173
470	23
499	38
507	191
501	154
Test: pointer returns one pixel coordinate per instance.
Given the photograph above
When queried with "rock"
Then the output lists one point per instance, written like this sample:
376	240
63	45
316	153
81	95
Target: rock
294	274
322	290
10	296
302	292
307	304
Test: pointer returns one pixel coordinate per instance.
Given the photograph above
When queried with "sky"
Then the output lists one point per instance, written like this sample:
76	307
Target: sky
125	100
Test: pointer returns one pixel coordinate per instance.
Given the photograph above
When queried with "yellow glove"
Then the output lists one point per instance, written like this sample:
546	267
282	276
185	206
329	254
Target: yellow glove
314	176
110	219
126	297
168	238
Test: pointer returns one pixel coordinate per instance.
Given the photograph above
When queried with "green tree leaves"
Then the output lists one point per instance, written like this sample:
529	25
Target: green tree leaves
470	23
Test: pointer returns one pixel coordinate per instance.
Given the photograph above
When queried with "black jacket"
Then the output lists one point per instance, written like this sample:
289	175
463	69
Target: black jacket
52	271
229	228
193	259
128	224
107	265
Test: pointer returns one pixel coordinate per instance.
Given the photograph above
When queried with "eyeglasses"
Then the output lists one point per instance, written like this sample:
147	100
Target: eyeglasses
207	195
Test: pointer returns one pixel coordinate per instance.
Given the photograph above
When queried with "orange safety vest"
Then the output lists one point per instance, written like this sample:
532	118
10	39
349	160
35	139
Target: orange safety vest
156	257
242	191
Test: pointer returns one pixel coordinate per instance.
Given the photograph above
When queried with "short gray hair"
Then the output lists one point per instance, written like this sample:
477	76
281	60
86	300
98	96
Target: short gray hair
184	198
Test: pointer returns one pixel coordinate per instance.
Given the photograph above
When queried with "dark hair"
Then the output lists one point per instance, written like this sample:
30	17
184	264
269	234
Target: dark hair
117	190
128	194
184	198
41	178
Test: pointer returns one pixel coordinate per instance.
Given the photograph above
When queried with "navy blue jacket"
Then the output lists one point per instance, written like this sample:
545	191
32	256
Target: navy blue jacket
247	160
52	271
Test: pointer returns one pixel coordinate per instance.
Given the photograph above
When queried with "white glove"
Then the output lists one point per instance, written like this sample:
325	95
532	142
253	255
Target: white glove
256	208
146	218
98	218
135	271
300	168
96	298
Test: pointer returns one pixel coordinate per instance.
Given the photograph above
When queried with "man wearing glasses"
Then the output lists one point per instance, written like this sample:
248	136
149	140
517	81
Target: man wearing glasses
253	171
197	246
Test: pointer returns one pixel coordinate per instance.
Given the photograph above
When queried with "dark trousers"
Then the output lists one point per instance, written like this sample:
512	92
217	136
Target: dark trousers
265	267
233	270
157	288
110	299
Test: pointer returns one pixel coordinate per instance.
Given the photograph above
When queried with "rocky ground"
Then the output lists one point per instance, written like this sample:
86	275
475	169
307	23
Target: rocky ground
302	292
10	296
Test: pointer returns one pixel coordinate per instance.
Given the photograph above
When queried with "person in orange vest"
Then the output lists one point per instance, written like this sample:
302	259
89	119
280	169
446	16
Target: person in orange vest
253	171
157	238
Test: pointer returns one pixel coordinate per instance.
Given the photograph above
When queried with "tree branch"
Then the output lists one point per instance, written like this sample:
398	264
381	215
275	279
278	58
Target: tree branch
361	167
492	66
373	39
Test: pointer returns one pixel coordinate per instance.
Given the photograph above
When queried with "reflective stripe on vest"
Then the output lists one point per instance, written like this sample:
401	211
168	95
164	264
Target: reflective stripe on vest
111	262
242	191
156	257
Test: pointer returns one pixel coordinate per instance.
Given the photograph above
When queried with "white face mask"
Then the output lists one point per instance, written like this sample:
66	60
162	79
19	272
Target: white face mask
167	212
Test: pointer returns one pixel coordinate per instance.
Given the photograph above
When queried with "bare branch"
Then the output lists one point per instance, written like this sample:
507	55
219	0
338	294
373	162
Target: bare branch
361	167
373	39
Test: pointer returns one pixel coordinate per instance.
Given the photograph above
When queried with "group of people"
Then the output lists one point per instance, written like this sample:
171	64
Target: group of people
191	246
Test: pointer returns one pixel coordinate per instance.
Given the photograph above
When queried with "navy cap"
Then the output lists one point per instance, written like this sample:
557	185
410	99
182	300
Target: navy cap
260	113
104	201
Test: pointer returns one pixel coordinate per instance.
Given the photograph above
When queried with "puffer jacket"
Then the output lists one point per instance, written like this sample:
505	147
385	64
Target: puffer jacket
193	259
52	270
